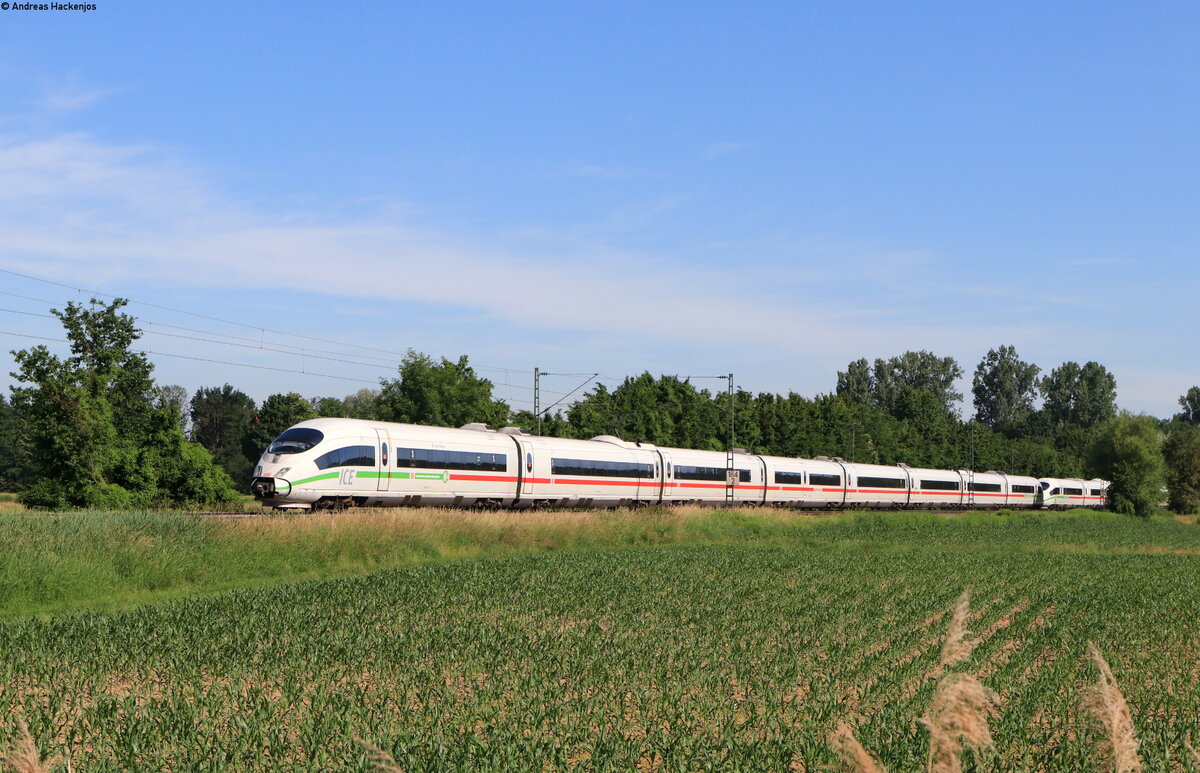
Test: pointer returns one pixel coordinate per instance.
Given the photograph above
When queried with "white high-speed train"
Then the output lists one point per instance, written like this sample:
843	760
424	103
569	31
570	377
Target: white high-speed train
344	462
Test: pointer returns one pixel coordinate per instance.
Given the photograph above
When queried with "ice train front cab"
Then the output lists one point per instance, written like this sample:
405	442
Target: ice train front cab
323	461
343	462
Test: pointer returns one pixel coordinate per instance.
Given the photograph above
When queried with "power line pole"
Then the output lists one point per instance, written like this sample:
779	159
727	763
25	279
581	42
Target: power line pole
853	428
730	478
729	470
537	392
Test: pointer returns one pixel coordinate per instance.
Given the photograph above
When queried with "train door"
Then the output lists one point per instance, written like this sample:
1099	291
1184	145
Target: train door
666	490
526	469
969	487
384	476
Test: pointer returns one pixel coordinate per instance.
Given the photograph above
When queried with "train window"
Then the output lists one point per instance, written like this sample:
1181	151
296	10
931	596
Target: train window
869	482
1097	492
1044	484
939	485
1073	491
1021	488
440	459
824	479
350	456
687	472
601	469
295	440
1054	492
985	487
795	478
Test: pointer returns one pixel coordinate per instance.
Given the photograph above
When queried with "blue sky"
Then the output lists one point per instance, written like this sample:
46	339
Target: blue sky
688	188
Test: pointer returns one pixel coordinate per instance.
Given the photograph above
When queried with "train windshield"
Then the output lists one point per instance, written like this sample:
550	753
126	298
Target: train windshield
295	440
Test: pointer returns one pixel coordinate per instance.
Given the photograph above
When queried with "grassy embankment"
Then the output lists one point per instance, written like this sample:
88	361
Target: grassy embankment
113	560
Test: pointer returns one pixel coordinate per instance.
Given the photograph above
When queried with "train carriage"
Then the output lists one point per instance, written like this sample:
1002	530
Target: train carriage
701	477
1096	492
1023	491
794	482
933	489
986	489
606	472
876	485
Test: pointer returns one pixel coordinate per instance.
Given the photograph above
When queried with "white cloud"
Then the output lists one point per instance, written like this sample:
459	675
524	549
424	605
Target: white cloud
600	172
718	149
70	95
74	206
101	214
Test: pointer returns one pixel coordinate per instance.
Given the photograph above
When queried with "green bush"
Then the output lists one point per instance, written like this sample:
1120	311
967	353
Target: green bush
1127	451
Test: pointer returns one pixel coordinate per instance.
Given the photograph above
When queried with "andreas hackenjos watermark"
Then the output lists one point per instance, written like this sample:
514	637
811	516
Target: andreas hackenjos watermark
18	6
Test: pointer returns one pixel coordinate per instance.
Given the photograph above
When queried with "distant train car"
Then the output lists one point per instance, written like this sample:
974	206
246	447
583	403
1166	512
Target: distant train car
344	462
1073	492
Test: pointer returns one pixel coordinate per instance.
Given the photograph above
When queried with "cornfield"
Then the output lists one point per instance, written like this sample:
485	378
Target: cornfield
714	657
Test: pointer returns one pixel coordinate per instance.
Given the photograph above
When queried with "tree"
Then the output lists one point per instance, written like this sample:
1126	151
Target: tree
221	418
363	404
1182	454
1004	388
880	385
442	394
12	456
360	405
1127	450
277	413
1084	396
917	370
1190	402
174	396
856	384
328	407
97	430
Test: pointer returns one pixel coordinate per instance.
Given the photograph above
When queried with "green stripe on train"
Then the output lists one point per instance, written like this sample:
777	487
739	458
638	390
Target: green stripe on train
326	476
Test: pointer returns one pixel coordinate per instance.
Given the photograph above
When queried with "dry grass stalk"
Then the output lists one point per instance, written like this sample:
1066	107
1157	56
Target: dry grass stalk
956	647
381	761
957	719
24	757
855	758
1106	703
1193	756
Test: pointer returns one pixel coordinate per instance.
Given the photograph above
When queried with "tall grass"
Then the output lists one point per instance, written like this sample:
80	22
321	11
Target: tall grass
106	560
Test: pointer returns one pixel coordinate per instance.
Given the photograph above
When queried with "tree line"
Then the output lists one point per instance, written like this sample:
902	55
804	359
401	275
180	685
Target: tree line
94	430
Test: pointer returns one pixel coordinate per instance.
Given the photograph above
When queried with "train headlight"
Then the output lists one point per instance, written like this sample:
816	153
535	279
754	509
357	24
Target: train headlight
282	471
